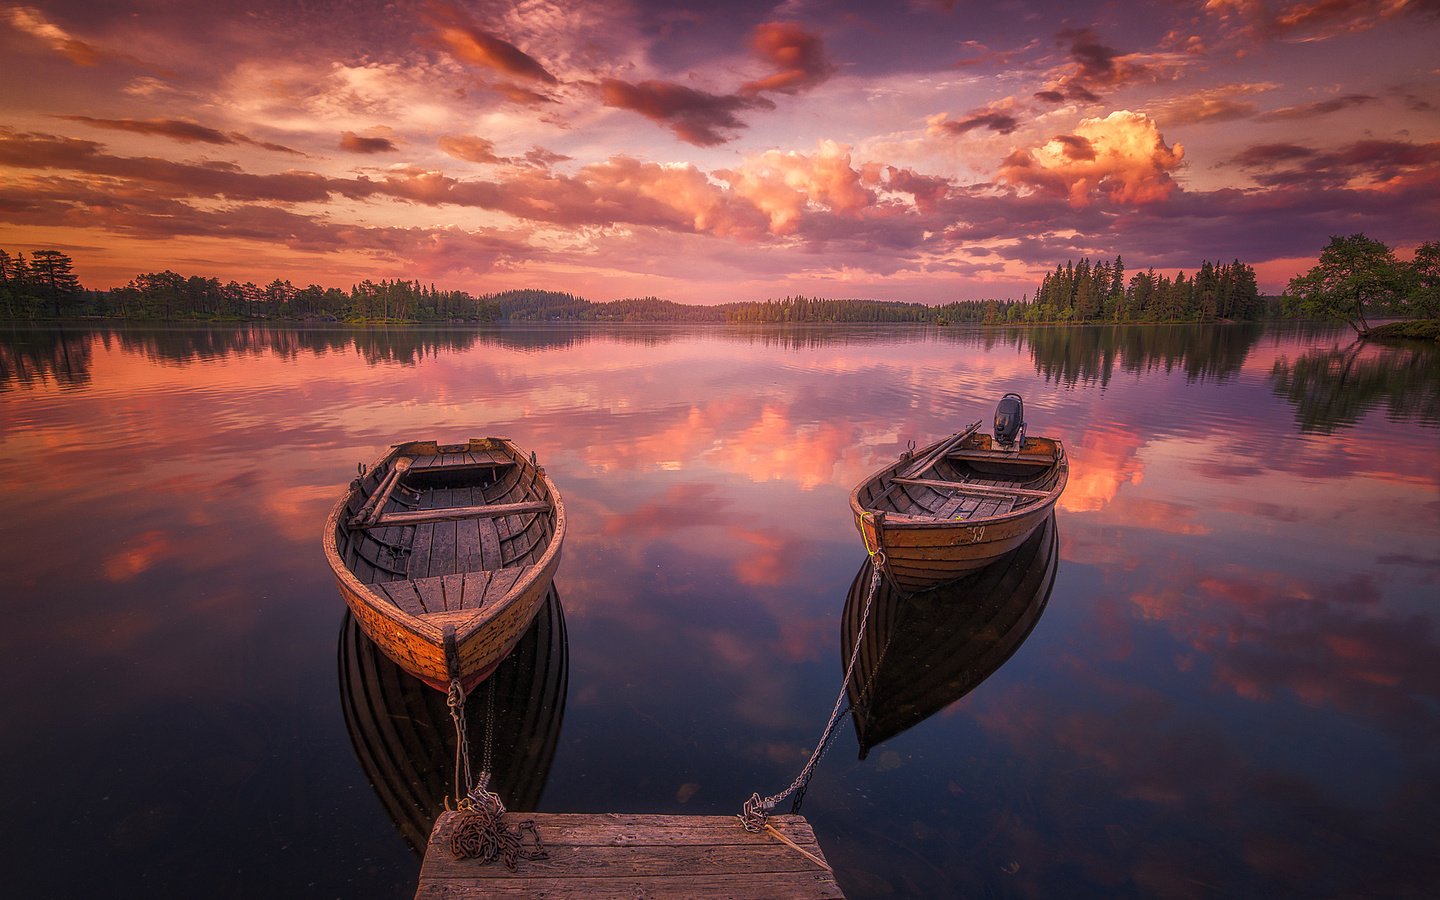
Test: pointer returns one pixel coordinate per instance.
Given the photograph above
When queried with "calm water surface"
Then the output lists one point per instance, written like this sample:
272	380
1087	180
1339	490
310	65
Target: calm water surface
1230	684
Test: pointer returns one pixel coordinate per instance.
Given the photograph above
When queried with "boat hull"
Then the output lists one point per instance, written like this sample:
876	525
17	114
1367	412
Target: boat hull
924	550
448	629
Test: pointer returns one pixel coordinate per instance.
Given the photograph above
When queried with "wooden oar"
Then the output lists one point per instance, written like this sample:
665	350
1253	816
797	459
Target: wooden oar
929	460
449	513
372	507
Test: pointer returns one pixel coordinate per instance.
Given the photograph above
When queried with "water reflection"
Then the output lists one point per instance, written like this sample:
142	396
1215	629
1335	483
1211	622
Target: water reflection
405	739
921	654
1092	355
1063	355
1333	388
32	355
1240	688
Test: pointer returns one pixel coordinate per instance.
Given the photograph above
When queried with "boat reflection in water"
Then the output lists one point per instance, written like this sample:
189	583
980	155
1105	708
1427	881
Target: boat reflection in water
921	653
405	739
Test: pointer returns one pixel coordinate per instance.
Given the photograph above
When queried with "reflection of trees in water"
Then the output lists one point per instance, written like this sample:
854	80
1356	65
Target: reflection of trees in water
1334	388
1067	355
1093	354
30	355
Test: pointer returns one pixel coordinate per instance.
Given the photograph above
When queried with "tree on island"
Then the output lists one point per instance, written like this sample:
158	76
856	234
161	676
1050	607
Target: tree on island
1424	300
1355	273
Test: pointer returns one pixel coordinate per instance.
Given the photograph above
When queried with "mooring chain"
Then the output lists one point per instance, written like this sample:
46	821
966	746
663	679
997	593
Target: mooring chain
480	830
755	810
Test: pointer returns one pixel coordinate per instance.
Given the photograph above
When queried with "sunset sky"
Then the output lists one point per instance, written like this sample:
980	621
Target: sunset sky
924	151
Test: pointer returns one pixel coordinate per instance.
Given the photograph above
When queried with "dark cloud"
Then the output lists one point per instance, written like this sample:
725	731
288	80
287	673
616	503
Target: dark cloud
1268	155
351	142
1319	108
1364	161
1093	65
695	116
1003	122
797	55
1076	147
179	130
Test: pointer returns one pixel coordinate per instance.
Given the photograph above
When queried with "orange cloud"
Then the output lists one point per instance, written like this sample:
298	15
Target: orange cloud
469	148
1122	158
797	55
470	44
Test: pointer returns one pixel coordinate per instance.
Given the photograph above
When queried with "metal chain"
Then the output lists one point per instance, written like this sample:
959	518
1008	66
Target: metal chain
757	809
455	699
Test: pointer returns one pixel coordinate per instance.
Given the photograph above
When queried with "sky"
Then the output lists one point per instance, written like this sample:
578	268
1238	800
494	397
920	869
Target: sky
704	153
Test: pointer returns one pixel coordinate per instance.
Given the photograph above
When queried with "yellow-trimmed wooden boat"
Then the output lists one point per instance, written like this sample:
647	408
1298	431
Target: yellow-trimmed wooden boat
444	554
960	503
919	654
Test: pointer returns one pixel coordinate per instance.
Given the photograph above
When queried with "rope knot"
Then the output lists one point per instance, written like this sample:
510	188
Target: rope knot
754	813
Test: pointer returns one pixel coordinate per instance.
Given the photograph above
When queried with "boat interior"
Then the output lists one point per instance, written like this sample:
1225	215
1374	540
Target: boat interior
975	479
443	532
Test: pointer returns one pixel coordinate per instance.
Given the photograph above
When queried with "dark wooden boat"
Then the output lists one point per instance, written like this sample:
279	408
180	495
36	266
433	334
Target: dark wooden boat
960	503
405	740
922	653
444	554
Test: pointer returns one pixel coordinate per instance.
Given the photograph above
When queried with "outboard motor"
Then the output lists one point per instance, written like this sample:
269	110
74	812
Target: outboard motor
1010	420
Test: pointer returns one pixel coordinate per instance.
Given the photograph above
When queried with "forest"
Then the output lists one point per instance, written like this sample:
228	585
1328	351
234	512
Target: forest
45	287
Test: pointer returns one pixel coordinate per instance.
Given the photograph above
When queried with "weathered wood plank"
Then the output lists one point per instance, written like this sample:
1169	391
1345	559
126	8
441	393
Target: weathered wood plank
404	596
419	562
489	534
419	516
631	855
432	593
973	488
474	594
502	581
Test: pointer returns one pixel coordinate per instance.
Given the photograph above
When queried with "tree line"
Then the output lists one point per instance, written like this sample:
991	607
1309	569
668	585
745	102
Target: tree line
1356	276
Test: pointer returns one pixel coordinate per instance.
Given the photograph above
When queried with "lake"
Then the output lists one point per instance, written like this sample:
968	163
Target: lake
1220	678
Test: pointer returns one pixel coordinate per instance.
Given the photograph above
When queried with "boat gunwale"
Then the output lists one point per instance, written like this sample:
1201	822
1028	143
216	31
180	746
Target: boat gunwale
352	586
907	522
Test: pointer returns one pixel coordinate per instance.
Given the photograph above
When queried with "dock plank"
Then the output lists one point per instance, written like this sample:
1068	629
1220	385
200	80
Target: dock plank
637	855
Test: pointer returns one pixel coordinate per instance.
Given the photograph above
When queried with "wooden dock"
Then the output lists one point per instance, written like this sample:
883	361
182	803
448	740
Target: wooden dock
609	855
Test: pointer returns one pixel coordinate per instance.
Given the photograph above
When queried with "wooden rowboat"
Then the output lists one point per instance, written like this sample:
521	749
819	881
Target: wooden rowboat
444	554
958	504
920	654
405	740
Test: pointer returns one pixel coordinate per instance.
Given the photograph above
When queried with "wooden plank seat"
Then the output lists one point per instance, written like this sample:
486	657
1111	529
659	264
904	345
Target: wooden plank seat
452	513
1016	458
452	593
474	459
978	489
